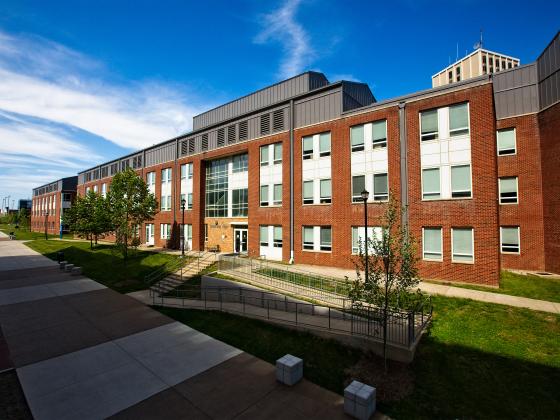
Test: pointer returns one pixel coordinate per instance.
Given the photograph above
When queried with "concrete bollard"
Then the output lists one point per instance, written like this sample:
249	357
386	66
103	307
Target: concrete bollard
289	369
68	267
359	400
76	271
62	264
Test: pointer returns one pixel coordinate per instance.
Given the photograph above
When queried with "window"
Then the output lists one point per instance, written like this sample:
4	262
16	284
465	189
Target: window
217	183
264	235
151	178
326	238
165	202
165	230
264	195
450	76
506	142
358	185
379	133
277	153
240	163
458	73
462	245
103	190
325	191
509	240
325	144
264	155
307	192
432	243
458	120
358	235
277	237
189	170
308	237
430	183
307	148
380	187
357	138
240	203
277	195
183	172
95	188
183	198
429	125
461	181
508	190
206	232
165	175
189	201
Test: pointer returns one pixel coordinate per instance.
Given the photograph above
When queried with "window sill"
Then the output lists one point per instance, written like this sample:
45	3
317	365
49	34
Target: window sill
446	199
316	204
463	262
510	253
509	204
432	260
320	252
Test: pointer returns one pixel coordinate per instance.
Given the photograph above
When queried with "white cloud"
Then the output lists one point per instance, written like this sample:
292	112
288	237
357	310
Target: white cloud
281	26
46	80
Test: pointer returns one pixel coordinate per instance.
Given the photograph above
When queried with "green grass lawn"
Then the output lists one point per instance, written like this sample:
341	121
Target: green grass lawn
478	360
105	265
25	234
530	286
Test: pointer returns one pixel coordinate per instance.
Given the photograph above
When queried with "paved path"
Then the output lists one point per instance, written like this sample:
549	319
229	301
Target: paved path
81	350
440	289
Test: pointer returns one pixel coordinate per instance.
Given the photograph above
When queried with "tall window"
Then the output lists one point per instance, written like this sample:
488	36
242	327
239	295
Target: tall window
508	190
277	153
189	201
240	202
308	237
459	120
379	133
165	231
186	171
264	196
263	236
430	183
509	240
264	155
358	185
307	192
307	147
277	240
429	125
325	191
324	144
462	245
240	163
326	238
461	181
357	138
151	178
380	187
217	188
358	235
432	243
506	142
165	175
277	196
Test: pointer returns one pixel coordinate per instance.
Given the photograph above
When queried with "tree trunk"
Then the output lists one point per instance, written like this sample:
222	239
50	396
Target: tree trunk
90	241
385	316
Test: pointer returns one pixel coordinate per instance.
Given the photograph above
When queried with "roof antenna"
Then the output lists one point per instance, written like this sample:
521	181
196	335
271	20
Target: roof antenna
457	55
478	45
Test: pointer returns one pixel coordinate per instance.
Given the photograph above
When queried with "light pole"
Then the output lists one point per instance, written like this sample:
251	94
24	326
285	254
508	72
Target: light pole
46	221
183	202
365	196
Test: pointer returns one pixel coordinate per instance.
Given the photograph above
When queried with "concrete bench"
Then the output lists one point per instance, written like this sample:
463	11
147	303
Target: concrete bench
359	400
289	370
62	264
76	271
68	267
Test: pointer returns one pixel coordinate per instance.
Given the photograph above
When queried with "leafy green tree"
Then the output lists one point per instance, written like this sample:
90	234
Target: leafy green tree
89	216
392	272
130	204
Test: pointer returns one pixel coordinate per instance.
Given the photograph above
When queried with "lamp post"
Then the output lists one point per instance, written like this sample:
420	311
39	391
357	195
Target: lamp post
365	196
46	222
183	202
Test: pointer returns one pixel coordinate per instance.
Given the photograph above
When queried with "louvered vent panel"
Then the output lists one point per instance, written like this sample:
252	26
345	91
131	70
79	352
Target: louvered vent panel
184	147
265	124
243	130
278	120
191	145
231	134
205	142
221	137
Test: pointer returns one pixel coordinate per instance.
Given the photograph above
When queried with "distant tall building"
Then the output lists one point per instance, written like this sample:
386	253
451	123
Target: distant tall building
24	204
475	64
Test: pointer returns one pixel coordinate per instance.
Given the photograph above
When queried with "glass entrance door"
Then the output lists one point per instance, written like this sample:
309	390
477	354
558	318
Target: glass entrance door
150	234
240	240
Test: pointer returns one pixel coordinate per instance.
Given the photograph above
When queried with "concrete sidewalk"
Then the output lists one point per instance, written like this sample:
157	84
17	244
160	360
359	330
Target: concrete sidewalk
81	350
437	289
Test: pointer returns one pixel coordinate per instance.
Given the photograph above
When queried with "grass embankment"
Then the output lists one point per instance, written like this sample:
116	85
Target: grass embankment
104	264
478	361
25	235
514	284
317	282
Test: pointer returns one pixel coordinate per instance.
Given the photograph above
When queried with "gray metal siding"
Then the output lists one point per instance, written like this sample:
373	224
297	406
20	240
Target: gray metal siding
515	91
548	68
359	92
262	98
319	108
162	154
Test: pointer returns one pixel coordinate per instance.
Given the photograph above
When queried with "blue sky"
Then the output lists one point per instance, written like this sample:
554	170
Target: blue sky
82	82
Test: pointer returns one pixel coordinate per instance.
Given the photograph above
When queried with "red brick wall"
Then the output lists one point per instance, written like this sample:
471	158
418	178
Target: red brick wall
549	124
38	221
480	212
528	213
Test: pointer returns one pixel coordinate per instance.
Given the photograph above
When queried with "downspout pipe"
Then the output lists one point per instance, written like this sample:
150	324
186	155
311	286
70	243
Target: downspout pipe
291	261
404	163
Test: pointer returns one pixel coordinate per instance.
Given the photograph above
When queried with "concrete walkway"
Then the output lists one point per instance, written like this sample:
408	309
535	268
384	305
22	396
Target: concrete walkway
89	352
438	289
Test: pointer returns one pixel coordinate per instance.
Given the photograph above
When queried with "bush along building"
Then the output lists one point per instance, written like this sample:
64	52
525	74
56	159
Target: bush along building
278	173
49	203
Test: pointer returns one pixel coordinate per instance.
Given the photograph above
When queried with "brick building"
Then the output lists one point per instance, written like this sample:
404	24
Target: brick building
279	172
49	202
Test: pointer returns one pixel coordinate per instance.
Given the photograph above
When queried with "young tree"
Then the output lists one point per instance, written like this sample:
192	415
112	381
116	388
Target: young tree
392	272
89	216
131	204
